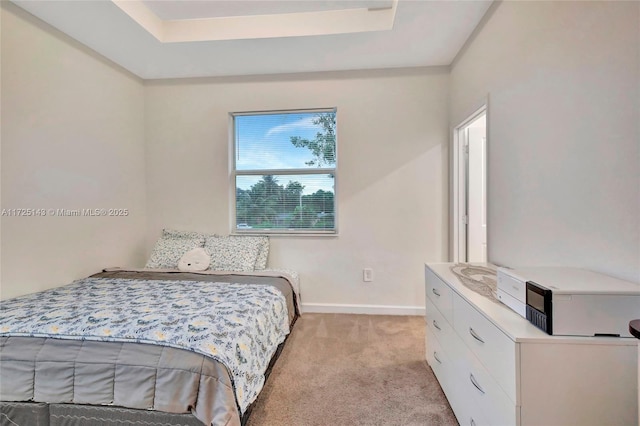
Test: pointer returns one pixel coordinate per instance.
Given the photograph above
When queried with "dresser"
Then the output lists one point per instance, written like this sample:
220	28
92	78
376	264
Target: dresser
498	369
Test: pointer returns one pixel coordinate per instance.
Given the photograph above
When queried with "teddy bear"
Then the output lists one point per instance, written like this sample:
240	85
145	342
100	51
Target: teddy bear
197	259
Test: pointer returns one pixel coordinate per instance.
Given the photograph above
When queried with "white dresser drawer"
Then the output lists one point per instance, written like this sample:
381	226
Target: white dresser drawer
447	369
469	413
495	350
497	408
438	360
465	404
439	326
440	294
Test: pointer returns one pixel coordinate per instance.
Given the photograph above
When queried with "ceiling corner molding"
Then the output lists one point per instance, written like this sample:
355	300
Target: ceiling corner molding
260	26
143	16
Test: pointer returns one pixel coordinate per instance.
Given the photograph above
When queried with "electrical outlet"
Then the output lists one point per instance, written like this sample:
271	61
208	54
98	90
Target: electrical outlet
367	275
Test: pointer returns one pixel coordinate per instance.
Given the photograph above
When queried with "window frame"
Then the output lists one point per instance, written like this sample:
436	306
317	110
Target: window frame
233	173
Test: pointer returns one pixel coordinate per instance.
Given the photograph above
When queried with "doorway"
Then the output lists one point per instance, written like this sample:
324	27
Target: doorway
470	189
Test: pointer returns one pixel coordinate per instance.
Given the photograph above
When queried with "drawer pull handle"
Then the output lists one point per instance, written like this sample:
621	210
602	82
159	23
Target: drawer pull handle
435	324
435	292
475	335
473	381
435	355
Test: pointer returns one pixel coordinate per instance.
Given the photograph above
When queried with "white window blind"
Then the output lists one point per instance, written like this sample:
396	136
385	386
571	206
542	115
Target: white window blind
284	171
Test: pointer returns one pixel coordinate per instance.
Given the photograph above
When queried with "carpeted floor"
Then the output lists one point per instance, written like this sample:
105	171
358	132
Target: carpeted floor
341	369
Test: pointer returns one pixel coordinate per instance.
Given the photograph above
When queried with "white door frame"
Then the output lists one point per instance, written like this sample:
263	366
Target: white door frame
458	186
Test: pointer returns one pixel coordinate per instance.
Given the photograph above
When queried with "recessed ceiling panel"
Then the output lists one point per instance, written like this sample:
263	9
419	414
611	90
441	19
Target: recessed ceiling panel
424	33
187	9
254	25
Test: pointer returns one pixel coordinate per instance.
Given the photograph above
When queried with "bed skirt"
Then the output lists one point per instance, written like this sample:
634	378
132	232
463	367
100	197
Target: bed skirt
41	414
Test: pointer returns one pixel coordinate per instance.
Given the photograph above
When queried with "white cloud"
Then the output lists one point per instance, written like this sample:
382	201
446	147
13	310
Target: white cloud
255	160
305	123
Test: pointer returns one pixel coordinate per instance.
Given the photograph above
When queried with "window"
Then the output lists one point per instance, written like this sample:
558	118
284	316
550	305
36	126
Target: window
284	172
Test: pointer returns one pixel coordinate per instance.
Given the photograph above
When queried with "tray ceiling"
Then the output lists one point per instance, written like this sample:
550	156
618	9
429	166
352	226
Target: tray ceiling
176	39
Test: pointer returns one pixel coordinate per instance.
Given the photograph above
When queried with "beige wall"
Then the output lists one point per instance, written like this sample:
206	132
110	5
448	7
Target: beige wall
392	130
72	138
562	78
564	167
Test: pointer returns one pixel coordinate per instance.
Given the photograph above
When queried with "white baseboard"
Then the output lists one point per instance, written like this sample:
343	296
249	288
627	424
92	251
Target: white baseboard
335	308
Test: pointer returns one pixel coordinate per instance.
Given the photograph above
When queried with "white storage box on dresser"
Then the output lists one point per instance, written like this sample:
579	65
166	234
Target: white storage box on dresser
497	369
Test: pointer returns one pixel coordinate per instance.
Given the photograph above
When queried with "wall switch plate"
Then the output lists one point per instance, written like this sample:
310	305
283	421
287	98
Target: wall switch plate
367	275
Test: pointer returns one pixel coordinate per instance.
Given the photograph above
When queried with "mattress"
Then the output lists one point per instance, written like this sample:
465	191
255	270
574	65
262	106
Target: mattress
73	371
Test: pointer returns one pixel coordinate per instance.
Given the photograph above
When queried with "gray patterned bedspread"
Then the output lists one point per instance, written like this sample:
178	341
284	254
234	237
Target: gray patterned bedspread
173	342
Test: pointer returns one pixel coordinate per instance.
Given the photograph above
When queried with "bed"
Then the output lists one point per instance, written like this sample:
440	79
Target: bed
152	346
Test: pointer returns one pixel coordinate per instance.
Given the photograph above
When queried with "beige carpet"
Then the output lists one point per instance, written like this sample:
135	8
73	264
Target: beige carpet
353	370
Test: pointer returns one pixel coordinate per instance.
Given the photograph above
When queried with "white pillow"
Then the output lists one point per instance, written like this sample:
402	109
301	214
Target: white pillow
197	259
263	253
171	246
232	254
